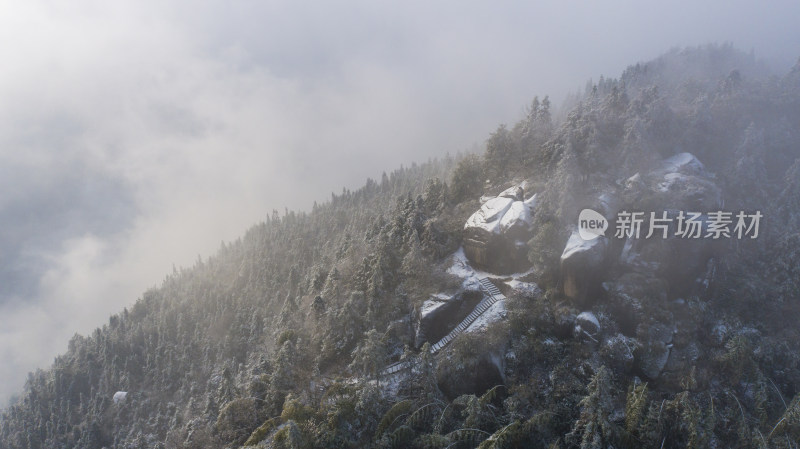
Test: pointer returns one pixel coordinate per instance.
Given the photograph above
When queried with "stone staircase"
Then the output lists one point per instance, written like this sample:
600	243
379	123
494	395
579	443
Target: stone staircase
493	295
393	368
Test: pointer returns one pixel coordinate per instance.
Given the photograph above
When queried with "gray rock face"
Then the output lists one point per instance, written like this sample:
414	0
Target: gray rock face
495	236
654	353
647	271
438	316
527	290
583	262
679	182
683	263
487	372
678	186
582	267
652	359
685	182
618	352
682	359
587	322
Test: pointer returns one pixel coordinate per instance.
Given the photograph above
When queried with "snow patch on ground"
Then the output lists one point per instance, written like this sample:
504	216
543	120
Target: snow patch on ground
390	384
461	268
525	288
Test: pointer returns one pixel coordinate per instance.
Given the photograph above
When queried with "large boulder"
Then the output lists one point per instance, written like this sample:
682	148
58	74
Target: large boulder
120	397
680	185
495	236
582	267
439	315
583	262
618	352
630	295
652	359
652	356
588	324
472	371
680	182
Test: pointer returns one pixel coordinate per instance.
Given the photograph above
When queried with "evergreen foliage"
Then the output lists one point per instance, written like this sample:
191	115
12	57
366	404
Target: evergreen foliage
279	339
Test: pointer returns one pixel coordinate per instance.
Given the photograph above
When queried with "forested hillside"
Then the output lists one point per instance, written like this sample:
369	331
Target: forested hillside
279	340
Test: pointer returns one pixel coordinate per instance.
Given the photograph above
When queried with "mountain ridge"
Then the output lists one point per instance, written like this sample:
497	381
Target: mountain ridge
235	349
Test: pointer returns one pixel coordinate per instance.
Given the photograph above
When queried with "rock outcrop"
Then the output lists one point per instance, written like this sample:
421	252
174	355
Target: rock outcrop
495	237
639	281
439	315
679	186
120	397
582	267
583	262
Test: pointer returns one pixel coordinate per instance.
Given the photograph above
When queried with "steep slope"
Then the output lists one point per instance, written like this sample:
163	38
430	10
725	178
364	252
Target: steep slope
281	339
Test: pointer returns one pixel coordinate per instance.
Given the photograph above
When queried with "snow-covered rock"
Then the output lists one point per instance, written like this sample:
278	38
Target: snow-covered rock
516	193
430	306
488	217
679	186
682	182
526	289
120	397
684	163
496	235
518	215
618	352
588	322
577	245
582	266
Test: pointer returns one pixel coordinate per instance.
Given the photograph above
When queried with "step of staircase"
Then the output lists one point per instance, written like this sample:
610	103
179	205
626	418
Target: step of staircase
493	294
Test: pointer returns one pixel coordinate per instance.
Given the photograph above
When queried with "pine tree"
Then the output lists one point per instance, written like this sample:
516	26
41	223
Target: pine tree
370	356
467	180
594	430
500	153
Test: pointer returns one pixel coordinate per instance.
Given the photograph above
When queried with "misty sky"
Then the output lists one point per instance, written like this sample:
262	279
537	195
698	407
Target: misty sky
138	135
